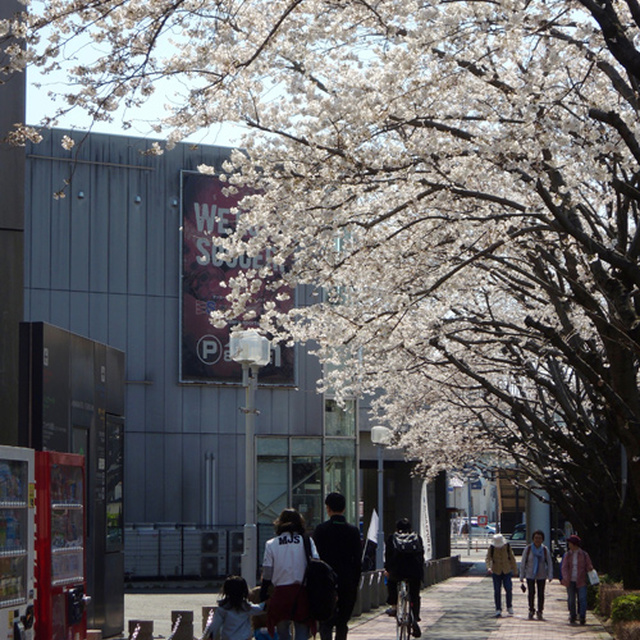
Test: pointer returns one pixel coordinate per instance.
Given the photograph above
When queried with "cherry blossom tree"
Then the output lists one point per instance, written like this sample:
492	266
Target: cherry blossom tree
458	183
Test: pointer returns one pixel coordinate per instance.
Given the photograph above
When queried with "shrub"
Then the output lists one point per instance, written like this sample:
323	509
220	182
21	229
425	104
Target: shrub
607	593
628	630
625	608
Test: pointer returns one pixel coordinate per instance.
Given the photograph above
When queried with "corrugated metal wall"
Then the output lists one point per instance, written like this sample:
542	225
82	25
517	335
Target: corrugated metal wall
103	262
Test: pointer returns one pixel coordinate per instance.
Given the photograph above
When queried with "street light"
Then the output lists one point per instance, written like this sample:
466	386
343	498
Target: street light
252	351
380	436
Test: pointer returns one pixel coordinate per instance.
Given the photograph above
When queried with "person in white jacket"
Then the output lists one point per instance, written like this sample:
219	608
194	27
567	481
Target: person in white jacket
536	567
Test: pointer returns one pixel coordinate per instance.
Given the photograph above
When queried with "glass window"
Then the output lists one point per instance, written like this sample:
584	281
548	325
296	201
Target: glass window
339	421
272	487
340	473
272	446
14	538
306	472
114	475
290	474
306	447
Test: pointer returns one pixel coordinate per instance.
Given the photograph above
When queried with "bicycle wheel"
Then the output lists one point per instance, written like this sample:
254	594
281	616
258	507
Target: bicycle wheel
404	616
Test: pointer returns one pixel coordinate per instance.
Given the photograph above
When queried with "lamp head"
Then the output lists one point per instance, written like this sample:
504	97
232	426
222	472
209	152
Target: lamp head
249	348
380	435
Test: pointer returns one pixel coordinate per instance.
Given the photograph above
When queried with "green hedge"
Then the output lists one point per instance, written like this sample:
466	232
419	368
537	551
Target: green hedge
626	608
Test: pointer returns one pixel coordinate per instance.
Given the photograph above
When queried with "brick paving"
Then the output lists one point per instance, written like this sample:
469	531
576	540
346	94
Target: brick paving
460	608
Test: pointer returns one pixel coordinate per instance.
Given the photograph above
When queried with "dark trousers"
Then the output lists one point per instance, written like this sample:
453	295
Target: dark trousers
532	587
414	594
502	580
573	592
346	601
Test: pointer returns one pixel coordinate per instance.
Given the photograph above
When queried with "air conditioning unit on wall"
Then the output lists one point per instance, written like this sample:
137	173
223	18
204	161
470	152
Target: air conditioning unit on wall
213	566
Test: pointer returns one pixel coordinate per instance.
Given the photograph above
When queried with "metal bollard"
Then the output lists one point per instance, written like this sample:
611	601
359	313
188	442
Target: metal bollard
144	629
366	592
206	612
357	607
373	590
182	625
382	589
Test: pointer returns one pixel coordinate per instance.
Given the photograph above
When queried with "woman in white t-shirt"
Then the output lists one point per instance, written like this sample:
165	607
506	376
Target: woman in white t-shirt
284	565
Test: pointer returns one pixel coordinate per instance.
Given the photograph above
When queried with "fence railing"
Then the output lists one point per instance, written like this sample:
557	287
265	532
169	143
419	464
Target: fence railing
181	551
373	588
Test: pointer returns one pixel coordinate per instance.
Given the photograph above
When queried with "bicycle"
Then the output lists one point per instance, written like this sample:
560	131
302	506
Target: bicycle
404	615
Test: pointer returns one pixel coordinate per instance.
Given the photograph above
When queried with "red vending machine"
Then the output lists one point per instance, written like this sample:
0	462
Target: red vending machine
17	499
60	553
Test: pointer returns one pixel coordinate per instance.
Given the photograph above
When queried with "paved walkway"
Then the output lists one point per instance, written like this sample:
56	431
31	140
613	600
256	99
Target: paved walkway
462	609
458	609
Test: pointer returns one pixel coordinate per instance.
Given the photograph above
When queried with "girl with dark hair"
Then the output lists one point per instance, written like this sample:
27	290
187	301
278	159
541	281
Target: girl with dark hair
232	618
284	565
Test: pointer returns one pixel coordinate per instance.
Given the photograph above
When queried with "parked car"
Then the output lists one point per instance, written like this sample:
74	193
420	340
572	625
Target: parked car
518	541
558	543
478	531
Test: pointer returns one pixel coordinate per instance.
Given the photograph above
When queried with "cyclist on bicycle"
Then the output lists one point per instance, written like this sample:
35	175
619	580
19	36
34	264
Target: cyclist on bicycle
404	560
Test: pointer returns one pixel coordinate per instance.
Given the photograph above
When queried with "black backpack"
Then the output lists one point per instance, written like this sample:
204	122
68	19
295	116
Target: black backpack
407	543
321	583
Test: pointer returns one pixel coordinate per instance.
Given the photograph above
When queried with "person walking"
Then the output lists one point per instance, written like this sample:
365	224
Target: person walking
338	544
284	566
232	617
576	563
536	567
501	565
404	560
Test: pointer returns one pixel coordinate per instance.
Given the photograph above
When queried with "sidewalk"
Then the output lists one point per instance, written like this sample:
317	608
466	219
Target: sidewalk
458	609
462	609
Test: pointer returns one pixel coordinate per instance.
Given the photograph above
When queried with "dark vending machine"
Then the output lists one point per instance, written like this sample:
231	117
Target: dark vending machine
60	553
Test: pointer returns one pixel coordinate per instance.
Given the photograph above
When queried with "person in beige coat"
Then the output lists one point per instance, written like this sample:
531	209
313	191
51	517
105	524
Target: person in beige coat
501	565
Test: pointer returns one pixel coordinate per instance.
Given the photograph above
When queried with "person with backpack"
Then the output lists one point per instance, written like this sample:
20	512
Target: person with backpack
284	566
501	565
339	545
404	560
536	566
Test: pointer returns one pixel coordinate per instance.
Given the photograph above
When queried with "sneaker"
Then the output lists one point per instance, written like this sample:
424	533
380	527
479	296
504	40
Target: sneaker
572	619
539	614
415	630
583	621
392	611
498	613
531	614
510	610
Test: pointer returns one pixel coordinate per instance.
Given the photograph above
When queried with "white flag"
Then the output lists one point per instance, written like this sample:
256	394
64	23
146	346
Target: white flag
372	533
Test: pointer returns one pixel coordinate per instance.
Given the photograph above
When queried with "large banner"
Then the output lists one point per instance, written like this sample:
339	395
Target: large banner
207	214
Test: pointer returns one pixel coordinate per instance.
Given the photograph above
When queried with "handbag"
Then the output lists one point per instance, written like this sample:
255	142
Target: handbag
593	577
321	583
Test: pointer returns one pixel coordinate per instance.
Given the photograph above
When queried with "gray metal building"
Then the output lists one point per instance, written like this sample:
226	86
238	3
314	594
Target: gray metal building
102	259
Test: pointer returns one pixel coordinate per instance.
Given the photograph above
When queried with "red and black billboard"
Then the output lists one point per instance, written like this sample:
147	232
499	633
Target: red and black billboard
207	215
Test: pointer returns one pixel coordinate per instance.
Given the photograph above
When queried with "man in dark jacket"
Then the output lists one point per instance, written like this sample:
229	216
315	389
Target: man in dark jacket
338	544
404	560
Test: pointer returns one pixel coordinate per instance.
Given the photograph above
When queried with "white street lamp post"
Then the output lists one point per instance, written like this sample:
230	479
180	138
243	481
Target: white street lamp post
252	351
381	437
